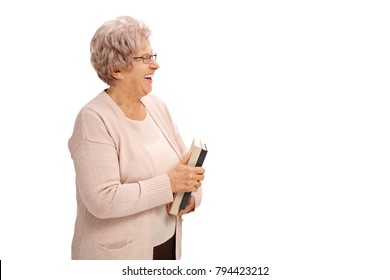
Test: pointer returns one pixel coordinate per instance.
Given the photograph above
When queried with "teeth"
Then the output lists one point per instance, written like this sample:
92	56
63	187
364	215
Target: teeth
149	76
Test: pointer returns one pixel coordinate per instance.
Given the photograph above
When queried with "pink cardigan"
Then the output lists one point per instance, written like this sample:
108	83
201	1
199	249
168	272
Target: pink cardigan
117	186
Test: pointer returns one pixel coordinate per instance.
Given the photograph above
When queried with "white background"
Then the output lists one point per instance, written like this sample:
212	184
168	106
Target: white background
292	98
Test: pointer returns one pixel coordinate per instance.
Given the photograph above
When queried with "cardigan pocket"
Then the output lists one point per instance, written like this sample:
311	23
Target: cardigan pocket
123	250
119	250
114	246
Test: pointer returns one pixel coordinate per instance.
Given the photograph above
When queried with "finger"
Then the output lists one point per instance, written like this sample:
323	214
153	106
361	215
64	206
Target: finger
186	158
195	188
199	177
168	207
198	184
199	170
190	206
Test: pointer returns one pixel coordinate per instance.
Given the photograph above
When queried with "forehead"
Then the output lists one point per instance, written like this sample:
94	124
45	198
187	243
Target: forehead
145	48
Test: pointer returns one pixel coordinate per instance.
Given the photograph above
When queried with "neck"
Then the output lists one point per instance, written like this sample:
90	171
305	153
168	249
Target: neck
130	104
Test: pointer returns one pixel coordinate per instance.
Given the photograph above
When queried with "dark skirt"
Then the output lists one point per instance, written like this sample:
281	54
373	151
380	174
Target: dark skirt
166	251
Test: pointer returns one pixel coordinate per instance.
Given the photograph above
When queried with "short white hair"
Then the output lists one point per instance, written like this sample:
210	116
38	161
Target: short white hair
115	44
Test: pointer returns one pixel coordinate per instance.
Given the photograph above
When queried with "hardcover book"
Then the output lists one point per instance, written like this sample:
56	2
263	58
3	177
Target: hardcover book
198	155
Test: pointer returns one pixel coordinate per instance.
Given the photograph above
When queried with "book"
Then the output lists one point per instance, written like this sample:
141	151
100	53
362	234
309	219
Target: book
198	155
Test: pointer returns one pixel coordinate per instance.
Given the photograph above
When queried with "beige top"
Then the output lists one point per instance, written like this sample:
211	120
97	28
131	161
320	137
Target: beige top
164	159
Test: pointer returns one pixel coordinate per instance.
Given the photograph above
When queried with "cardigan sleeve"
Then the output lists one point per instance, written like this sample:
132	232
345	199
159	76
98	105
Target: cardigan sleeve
98	181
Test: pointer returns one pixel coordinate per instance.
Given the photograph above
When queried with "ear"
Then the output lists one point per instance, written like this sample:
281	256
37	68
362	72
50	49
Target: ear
116	74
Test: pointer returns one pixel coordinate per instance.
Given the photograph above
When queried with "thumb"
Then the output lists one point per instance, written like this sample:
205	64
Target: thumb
186	158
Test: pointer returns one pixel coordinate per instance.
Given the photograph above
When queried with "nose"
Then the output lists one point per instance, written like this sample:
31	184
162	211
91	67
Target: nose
154	65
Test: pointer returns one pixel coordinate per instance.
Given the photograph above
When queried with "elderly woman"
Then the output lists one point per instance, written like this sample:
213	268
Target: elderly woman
128	155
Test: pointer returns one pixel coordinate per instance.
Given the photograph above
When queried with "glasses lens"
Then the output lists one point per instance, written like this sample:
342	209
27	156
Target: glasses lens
148	57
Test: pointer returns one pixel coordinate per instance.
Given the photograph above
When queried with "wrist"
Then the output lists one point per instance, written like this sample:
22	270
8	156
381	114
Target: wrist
171	182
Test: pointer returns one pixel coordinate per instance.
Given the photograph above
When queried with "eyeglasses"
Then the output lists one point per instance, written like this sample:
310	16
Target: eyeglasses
147	57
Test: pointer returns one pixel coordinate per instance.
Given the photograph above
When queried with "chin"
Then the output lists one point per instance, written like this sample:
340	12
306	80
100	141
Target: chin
147	92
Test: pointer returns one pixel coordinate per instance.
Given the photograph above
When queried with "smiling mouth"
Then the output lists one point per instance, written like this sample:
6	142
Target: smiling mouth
148	77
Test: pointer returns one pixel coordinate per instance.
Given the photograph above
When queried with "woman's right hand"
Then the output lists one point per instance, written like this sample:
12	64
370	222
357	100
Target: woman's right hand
184	178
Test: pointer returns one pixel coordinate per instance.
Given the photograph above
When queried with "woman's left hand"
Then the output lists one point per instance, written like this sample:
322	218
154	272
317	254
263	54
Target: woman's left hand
189	208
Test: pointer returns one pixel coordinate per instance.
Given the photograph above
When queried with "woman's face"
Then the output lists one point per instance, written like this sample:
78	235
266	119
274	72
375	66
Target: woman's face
138	78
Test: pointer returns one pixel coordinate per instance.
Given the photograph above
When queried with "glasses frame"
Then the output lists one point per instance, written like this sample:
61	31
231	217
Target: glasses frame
147	57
